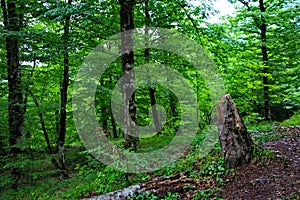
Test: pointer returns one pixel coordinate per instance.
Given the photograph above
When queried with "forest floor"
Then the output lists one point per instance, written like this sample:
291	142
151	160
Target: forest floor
275	178
274	174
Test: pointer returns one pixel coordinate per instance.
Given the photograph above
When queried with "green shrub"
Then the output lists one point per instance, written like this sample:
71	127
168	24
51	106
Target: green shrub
292	121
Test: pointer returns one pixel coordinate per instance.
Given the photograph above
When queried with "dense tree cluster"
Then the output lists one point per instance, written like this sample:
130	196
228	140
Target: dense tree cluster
44	42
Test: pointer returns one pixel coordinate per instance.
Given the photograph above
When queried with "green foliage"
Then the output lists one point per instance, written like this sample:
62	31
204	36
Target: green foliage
233	45
150	196
207	194
262	154
144	196
262	127
264	132
293	121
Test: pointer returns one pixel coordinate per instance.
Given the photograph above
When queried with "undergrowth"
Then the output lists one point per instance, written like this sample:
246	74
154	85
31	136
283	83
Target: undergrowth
89	177
292	121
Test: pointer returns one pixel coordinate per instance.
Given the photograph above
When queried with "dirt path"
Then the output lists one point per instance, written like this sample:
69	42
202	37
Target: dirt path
278	178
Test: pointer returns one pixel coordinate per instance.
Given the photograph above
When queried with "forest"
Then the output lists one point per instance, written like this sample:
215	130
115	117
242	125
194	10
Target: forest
136	99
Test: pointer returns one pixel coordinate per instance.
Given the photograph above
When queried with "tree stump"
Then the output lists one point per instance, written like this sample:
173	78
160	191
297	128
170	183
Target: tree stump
236	143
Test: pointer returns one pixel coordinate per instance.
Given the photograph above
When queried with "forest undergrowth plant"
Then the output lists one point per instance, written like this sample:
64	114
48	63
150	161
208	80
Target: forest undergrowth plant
264	132
151	196
207	194
292	121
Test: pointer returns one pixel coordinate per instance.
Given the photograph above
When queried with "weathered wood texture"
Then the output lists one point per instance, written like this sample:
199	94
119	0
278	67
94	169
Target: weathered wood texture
236	143
159	186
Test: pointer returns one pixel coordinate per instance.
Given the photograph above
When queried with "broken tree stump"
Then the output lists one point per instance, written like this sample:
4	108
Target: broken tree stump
236	143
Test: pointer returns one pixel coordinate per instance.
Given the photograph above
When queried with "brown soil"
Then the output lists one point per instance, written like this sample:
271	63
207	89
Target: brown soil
277	178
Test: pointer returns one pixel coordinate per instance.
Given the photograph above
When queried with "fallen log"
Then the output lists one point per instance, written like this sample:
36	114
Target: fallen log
159	186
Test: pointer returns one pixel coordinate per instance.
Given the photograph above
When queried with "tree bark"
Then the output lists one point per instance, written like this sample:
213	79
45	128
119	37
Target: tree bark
151	87
63	95
264	51
15	96
236	143
129	106
104	113
113	122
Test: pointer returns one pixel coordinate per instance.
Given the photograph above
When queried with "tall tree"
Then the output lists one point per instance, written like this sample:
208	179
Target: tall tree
151	87
64	92
255	56
129	106
13	23
262	26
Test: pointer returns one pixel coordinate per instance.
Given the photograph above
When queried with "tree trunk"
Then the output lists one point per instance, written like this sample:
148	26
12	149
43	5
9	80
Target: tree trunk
173	111
151	87
15	96
236	143
262	25
264	51
113	122
63	95
129	106
104	113
46	136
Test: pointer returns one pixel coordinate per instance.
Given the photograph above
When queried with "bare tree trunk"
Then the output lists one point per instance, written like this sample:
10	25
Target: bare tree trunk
63	95
129	109
236	143
15	96
264	51
103	111
46	136
151	87
113	122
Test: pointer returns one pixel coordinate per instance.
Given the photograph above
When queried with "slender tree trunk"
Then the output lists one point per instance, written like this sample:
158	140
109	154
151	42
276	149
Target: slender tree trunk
173	109
264	51
41	116
63	95
57	123
46	136
103	111
129	109
113	122
15	96
262	25
151	87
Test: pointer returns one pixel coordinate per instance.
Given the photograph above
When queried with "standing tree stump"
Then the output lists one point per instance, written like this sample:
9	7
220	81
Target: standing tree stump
236	143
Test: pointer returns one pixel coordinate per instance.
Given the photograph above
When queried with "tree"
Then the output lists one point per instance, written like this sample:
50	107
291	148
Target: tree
151	87
129	106
13	24
253	65
64	92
